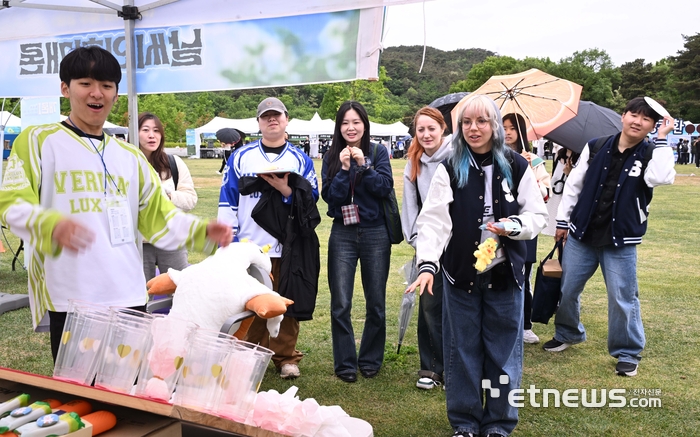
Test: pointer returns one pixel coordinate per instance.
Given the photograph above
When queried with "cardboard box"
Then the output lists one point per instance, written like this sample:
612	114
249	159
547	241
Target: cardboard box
551	268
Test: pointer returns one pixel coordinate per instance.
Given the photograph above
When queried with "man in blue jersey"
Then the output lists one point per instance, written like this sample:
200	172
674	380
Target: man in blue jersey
271	153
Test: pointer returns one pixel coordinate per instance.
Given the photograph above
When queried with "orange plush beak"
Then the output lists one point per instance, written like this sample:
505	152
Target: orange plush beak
161	284
268	306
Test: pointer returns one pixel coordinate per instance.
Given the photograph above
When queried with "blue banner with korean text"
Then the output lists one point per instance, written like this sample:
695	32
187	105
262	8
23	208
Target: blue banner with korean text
282	51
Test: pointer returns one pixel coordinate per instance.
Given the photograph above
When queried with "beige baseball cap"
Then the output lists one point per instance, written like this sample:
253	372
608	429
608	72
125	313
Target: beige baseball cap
271	104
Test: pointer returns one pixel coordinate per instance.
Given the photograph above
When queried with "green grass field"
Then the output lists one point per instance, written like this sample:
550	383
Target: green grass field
669	275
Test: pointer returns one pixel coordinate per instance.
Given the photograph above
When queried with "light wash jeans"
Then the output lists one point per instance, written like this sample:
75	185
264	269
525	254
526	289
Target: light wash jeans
371	246
483	340
619	266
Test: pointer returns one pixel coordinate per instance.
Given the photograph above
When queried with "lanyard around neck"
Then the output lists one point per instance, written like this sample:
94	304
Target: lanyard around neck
101	155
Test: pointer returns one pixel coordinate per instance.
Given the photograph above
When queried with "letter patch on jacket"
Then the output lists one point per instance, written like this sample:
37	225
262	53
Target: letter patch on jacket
506	191
636	169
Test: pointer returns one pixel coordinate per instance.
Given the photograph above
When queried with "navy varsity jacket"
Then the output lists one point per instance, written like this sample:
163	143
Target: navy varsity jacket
632	197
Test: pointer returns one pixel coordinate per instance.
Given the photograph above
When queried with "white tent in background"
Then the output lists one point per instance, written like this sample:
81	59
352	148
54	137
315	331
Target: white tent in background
247	125
8	119
315	126
388	130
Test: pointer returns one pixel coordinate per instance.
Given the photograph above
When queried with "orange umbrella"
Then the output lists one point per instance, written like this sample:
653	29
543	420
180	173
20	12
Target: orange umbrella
545	101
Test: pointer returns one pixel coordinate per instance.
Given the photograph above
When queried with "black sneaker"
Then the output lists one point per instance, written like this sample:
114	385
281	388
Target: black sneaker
555	345
624	368
463	434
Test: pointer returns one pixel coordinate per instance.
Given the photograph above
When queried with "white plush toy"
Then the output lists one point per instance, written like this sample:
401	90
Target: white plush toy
210	292
207	294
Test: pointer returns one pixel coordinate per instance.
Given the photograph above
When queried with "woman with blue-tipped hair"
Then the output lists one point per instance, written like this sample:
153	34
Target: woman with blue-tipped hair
485	185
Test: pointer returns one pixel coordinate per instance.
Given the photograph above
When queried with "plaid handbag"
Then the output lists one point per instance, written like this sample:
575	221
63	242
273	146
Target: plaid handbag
351	213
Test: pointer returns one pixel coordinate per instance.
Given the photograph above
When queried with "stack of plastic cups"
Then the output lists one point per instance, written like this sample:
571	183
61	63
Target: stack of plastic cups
124	349
163	363
203	371
80	350
245	367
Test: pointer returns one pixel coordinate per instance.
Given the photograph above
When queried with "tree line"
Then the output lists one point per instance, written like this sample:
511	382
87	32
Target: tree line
401	89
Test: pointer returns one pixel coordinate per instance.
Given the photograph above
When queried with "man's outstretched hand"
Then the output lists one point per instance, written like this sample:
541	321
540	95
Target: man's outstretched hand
220	233
72	235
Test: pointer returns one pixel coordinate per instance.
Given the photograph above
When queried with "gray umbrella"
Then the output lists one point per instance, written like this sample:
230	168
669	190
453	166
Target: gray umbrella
405	313
408	302
591	121
445	104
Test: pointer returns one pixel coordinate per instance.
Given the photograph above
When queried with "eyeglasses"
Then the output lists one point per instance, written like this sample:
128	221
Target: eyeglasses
479	122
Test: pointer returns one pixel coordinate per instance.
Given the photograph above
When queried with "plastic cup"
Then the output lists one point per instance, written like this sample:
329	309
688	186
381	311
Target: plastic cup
203	370
166	352
80	350
245	368
124	349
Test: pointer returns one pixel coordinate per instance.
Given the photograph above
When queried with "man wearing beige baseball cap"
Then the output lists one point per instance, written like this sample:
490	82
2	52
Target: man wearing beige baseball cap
289	172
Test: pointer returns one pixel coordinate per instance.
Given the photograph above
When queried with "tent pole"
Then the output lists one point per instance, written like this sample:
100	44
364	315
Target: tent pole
133	107
2	137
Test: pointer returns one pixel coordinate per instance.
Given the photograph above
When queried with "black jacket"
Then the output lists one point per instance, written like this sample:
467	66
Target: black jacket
293	225
467	209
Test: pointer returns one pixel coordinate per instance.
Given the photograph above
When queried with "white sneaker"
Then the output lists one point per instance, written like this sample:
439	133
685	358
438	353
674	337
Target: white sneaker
530	337
289	371
427	383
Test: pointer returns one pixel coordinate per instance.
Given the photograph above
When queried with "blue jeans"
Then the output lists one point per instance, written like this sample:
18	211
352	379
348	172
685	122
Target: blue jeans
619	266
430	330
347	245
483	340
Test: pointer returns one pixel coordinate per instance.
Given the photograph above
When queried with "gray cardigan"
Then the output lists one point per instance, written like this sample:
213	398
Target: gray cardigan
411	189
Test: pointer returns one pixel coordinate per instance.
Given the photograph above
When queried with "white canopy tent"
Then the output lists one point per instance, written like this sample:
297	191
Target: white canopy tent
9	119
315	126
247	125
388	130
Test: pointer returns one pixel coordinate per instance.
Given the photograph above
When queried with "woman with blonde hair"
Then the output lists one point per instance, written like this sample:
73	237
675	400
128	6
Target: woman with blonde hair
180	191
428	149
484	193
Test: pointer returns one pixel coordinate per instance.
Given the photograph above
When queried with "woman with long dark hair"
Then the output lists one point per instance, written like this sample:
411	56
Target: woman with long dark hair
482	188
356	178
516	138
427	150
151	143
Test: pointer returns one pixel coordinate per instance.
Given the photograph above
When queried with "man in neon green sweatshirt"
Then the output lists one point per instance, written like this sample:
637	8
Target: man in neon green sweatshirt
80	200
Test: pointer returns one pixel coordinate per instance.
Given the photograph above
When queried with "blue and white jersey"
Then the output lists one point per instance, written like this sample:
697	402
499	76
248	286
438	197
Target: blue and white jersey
236	209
